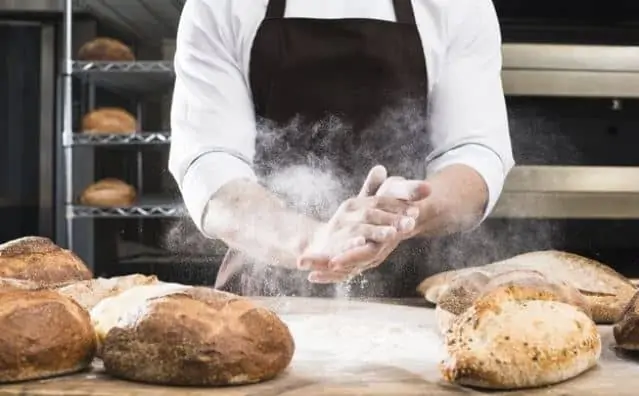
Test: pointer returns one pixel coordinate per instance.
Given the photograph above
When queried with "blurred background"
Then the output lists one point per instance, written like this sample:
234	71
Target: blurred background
571	76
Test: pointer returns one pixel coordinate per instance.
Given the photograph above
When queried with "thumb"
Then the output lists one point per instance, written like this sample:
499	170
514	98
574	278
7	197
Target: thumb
376	177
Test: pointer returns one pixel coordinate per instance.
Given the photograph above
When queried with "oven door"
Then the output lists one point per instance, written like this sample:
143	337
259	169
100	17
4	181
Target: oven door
573	120
27	137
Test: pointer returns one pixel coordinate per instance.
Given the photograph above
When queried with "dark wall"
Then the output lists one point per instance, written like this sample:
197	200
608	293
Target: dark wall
19	130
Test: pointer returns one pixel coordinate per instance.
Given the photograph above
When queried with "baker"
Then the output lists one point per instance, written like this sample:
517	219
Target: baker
316	94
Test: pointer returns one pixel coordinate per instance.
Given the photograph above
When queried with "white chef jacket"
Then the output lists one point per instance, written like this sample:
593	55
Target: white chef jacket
213	120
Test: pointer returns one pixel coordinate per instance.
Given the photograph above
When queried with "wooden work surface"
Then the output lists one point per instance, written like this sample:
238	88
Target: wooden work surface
354	348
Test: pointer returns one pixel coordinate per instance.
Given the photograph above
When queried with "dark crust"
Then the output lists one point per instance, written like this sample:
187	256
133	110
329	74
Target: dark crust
41	261
626	330
200	337
44	334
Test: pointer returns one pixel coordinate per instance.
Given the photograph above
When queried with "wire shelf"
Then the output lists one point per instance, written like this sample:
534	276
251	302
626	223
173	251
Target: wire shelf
146	207
146	138
147	20
144	77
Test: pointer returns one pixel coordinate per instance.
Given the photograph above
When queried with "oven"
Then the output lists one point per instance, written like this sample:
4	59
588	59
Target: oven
572	84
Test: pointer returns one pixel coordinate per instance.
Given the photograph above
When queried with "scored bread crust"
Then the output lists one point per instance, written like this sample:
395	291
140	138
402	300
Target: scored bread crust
39	260
105	49
465	289
42	334
108	193
506	342
180	335
109	120
606	290
90	292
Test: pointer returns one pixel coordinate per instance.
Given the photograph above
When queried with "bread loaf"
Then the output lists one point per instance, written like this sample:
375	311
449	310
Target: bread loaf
606	290
39	260
89	293
42	334
506	341
522	284
105	49
179	335
108	193
109	120
626	330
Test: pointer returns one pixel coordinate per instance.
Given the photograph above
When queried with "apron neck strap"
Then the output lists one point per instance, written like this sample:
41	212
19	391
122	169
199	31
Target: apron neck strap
275	9
404	11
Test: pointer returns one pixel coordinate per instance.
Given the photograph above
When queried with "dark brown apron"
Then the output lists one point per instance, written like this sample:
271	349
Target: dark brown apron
338	95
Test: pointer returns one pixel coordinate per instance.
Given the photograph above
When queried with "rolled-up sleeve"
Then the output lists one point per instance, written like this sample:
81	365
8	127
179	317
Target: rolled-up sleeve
212	119
468	118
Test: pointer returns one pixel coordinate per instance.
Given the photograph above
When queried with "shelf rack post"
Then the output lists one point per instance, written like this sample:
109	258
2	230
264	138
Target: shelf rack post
67	117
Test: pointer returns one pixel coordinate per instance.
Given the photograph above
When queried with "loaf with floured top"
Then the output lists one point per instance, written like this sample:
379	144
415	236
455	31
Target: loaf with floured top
173	334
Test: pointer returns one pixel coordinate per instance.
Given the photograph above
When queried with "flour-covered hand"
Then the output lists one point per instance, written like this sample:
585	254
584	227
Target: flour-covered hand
358	257
358	220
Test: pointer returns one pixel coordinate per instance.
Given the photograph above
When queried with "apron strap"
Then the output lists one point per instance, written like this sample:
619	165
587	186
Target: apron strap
403	11
275	9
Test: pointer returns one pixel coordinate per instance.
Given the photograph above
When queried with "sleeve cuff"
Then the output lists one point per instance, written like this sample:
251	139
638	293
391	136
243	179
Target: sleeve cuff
483	160
205	177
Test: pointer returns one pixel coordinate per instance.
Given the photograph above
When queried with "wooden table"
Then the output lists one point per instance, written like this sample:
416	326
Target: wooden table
354	348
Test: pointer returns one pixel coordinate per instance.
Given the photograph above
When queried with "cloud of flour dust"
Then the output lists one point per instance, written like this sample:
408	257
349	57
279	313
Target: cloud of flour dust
331	166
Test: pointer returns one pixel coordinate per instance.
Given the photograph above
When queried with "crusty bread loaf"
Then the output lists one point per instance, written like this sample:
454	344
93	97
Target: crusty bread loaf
504	342
39	260
90	292
606	290
180	335
42	334
626	330
524	285
109	120
105	49
108	193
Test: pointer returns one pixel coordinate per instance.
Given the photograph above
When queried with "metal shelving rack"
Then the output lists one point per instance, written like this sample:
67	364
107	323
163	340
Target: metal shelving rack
144	20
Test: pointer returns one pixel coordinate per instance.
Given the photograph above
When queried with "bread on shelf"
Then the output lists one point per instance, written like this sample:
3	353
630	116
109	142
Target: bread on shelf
109	192
105	49
173	334
109	120
43	334
39	261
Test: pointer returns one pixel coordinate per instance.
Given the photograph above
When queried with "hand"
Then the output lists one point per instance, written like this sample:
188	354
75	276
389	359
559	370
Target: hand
365	218
360	257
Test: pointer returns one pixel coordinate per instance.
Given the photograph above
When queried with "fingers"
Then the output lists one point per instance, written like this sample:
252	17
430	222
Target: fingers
407	190
391	205
327	277
361	254
376	177
319	262
378	217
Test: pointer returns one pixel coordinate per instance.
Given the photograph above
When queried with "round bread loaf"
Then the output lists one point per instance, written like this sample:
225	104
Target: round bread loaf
39	260
180	335
506	340
108	193
43	334
105	49
109	120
